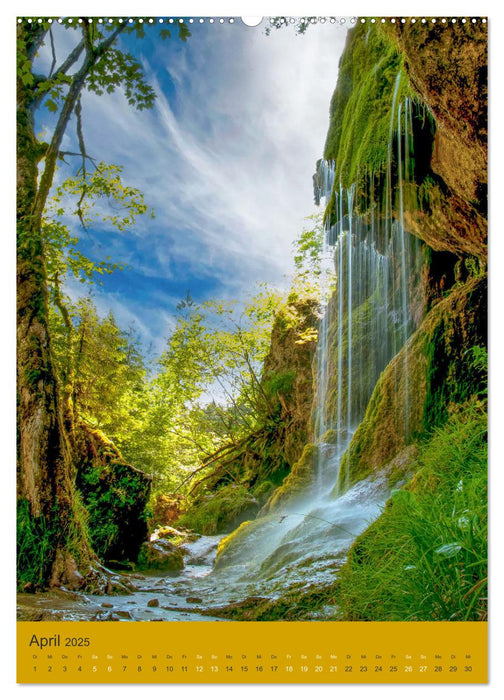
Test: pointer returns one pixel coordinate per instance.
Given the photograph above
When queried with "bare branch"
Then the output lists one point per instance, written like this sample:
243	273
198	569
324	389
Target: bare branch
62	154
82	146
53	51
72	58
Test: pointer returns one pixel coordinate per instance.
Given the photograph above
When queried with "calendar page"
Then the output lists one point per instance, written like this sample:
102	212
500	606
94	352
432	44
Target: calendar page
252	350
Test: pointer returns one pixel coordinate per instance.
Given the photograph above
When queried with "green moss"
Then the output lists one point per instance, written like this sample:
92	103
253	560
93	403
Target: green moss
161	555
299	602
221	511
360	112
296	483
263	491
231	545
456	352
436	370
280	382
114	495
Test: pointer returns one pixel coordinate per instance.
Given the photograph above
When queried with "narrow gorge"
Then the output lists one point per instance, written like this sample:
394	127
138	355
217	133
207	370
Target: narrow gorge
362	493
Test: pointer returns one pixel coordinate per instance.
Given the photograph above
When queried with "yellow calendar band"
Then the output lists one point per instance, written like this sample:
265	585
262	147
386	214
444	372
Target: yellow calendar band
252	652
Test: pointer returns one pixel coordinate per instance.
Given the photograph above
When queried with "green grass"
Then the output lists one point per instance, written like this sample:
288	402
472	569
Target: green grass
425	557
35	546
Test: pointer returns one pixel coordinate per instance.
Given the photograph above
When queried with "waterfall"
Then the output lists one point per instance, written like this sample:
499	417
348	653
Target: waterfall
369	317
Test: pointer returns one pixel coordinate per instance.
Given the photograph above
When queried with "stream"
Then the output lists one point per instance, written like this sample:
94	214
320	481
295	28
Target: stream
301	547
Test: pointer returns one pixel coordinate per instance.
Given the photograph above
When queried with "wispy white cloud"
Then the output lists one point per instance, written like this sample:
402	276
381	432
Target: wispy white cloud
226	157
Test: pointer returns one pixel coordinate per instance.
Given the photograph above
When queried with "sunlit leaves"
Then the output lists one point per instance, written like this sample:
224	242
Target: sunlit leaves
116	68
308	247
106	197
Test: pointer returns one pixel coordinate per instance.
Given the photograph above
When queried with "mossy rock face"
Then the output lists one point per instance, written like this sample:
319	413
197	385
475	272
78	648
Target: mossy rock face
287	374
361	107
115	496
263	491
431	372
220	512
161	554
449	73
444	73
243	543
296	484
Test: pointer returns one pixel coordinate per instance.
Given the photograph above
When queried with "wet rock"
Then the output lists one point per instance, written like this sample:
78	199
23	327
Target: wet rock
107	605
121	565
124	614
193	599
153	603
161	554
177	536
76	580
26	613
116	587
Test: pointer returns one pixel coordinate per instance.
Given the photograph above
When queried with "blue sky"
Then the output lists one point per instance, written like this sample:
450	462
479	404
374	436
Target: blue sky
225	158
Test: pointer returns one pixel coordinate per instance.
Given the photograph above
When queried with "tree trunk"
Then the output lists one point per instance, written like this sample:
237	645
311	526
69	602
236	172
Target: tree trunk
46	494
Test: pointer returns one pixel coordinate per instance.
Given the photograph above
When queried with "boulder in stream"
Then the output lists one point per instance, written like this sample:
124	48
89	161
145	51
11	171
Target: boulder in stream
161	554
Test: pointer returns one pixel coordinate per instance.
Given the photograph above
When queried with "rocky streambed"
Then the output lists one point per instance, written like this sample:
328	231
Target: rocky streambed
278	565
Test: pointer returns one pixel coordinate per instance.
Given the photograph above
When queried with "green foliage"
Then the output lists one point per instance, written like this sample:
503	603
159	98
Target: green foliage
35	547
37	539
206	391
425	556
478	361
114	496
308	248
108	370
99	197
275	383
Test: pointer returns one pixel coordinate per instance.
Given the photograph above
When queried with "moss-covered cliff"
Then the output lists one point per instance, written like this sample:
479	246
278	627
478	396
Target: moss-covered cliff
436	369
442	69
438	195
426	419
